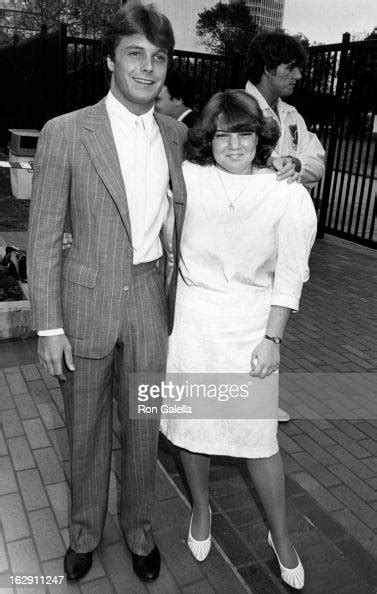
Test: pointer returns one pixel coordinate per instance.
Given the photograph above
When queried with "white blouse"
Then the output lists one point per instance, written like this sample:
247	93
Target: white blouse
260	244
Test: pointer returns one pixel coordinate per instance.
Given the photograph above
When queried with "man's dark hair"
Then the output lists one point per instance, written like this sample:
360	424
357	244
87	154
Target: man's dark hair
138	20
269	50
232	110
178	85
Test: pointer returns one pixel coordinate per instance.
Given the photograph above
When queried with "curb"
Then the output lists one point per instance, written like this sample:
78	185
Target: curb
15	317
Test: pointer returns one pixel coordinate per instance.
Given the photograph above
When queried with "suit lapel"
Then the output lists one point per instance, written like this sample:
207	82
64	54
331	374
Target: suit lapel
173	151
99	141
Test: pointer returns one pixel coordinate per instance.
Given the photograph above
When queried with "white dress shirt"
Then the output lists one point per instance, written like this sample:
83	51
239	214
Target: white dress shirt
295	139
145	174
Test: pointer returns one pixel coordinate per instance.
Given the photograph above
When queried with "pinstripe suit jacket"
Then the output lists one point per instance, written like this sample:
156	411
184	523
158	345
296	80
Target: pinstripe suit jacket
77	171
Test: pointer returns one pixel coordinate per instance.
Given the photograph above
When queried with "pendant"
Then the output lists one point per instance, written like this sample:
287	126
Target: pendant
231	207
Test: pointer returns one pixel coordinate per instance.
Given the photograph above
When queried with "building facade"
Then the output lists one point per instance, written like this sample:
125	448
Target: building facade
268	14
183	15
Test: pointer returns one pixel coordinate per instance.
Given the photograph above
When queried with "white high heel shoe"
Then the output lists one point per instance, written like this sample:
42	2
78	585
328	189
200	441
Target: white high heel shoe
200	548
294	577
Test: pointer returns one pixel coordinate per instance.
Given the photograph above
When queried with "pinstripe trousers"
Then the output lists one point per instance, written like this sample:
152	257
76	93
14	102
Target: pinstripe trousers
142	345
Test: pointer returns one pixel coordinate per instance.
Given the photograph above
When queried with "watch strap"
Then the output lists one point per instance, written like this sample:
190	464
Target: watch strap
275	339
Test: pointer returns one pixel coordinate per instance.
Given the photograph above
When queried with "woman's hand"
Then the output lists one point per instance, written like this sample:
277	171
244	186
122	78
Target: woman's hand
67	241
265	359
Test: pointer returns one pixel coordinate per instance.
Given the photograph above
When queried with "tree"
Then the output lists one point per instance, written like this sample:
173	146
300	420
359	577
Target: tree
227	29
36	13
83	17
372	35
5	38
89	17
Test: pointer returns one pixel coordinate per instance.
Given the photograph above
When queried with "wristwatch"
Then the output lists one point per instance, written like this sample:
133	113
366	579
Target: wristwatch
274	339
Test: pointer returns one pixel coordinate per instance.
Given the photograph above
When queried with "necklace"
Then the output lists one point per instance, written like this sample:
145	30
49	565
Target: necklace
230	201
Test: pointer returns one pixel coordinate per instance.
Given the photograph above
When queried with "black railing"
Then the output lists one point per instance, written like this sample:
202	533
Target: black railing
31	75
207	74
53	73
86	73
338	100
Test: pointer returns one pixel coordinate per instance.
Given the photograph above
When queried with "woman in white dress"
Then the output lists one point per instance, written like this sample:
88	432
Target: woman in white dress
244	257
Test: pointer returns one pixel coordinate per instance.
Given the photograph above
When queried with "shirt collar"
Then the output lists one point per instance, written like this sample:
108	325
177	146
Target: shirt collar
281	106
253	91
116	108
184	114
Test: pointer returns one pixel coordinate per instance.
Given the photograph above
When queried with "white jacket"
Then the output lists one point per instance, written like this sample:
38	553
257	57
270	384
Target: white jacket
295	139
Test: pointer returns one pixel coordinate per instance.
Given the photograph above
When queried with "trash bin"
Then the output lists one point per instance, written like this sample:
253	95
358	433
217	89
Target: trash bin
22	147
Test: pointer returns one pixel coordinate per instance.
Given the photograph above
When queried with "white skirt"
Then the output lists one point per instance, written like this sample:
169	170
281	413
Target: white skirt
217	335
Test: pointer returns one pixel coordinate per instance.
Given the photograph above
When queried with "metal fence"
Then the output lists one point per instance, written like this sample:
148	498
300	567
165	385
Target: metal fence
31	83
54	73
338	98
207	74
86	75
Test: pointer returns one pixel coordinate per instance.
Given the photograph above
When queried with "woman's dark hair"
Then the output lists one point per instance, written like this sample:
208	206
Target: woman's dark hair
269	50
138	20
234	110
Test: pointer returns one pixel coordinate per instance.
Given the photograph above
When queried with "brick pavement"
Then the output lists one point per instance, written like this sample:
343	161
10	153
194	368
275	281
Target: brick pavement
328	384
329	449
34	495
332	448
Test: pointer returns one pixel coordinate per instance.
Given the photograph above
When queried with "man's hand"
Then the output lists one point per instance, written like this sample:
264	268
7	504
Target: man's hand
265	359
287	168
67	241
52	350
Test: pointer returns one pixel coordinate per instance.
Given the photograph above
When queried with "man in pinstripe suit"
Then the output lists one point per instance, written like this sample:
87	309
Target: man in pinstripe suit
110	166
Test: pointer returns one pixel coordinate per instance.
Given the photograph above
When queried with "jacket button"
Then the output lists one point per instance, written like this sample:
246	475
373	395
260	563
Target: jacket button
125	288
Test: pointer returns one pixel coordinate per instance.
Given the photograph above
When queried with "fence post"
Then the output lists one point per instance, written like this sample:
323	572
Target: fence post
236	72
62	73
330	158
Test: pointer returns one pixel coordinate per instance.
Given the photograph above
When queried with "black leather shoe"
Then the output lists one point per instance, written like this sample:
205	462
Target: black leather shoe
76	565
147	567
